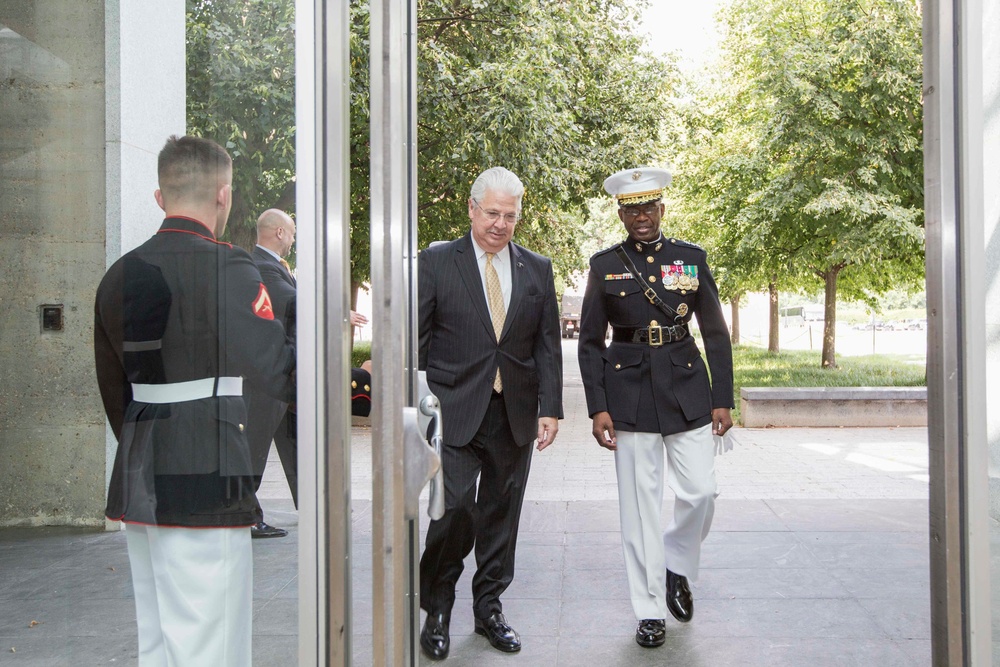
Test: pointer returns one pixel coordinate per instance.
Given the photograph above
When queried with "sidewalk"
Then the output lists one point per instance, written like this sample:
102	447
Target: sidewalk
818	556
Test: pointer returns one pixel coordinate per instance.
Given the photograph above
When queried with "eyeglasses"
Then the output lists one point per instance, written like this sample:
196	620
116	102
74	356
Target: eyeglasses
632	212
494	216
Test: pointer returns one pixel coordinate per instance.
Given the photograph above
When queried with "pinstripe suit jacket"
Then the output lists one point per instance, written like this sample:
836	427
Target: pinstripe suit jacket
460	351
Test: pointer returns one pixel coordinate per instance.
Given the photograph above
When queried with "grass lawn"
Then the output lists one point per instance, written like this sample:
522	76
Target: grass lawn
361	352
756	367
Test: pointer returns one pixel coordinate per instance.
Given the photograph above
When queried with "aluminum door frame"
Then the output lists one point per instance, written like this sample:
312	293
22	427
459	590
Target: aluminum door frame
395	548
322	164
956	383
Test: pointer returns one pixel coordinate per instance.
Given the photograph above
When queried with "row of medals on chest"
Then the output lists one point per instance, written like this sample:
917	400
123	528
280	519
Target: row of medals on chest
675	280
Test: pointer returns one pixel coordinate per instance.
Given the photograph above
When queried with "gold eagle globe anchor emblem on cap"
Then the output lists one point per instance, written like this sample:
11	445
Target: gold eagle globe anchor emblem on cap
636	175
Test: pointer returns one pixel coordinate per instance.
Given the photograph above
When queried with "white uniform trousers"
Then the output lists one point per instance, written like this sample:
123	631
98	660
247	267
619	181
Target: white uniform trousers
193	595
691	476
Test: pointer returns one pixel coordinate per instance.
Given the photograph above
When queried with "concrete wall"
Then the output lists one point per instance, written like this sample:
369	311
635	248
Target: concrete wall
761	407
145	105
145	94
57	231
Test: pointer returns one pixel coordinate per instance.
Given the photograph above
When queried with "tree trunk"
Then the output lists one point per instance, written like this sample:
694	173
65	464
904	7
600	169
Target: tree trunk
734	332
241	230
774	321
829	359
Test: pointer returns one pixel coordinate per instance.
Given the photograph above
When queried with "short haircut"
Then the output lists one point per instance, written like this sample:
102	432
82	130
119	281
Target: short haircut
192	168
500	180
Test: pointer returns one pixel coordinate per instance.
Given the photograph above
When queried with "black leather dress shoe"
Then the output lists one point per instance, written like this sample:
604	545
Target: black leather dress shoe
679	600
652	632
434	638
501	635
261	529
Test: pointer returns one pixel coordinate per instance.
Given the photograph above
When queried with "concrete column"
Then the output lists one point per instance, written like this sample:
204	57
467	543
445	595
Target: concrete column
82	113
146	82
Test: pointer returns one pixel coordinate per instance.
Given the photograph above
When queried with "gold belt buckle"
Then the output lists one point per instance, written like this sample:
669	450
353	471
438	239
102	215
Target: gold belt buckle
655	336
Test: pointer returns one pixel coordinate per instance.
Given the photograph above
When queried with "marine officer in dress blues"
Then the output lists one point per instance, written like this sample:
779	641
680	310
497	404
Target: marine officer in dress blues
649	392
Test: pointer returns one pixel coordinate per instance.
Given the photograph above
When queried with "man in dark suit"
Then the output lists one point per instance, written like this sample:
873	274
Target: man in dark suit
490	343
649	393
271	419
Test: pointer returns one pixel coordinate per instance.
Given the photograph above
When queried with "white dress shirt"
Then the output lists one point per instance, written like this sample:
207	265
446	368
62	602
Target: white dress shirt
270	252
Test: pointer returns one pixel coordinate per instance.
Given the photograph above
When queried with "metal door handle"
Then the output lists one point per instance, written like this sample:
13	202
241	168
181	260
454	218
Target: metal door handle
423	458
431	407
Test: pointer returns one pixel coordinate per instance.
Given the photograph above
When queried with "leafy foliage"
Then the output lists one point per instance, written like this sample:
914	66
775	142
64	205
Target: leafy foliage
241	93
559	91
810	160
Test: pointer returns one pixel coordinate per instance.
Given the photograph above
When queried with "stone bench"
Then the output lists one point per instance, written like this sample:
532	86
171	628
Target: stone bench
833	406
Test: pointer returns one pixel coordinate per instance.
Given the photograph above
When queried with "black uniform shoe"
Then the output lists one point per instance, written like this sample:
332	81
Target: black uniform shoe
434	638
679	600
652	632
502	636
261	529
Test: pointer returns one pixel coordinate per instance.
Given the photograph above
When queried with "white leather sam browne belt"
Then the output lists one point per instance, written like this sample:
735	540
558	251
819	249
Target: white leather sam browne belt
179	392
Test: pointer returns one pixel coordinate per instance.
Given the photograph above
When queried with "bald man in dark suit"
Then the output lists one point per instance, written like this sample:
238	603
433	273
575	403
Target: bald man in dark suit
490	343
269	418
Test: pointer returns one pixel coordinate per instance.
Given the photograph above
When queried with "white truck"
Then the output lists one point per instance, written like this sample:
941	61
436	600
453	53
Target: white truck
570	314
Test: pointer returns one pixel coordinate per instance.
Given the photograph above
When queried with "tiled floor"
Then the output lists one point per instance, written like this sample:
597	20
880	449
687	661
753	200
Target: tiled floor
818	556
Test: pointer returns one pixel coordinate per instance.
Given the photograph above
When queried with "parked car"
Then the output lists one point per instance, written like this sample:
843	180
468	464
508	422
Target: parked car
878	325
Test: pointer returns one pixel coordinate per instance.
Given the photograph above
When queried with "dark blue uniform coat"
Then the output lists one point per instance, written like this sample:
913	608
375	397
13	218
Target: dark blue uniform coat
648	389
181	307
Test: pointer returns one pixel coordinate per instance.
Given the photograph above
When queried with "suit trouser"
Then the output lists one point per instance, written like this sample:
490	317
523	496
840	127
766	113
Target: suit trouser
287	443
691	476
488	519
193	595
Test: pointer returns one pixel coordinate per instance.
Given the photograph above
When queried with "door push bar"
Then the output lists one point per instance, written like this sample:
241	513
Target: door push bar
423	457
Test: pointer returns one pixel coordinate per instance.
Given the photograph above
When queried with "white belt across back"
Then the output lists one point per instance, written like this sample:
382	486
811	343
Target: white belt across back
178	392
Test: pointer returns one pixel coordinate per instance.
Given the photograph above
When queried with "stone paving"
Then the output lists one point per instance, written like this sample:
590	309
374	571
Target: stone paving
818	556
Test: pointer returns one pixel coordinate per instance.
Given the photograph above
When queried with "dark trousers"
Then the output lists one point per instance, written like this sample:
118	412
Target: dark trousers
487	520
286	441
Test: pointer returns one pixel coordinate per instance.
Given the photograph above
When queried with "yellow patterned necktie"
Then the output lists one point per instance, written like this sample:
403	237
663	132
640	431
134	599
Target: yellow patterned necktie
497	310
285	264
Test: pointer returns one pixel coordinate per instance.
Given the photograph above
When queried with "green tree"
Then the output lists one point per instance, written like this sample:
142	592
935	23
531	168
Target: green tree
720	167
563	93
557	92
828	176
241	93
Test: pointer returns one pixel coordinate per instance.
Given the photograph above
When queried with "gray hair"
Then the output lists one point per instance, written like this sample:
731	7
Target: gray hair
499	180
